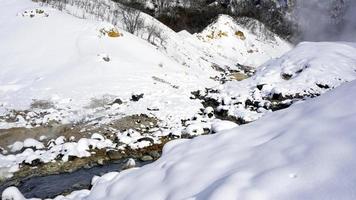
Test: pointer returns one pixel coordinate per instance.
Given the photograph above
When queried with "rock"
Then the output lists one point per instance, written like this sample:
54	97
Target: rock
131	163
101	161
106	59
153	109
323	86
155	154
117	101
146	158
35	162
136	97
277	97
114	155
286	76
238	76
260	86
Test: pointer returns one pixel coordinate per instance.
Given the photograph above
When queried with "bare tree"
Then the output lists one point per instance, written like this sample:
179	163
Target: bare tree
155	33
132	19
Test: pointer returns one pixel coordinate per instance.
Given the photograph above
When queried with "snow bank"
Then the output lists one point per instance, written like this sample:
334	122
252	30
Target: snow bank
306	71
304	152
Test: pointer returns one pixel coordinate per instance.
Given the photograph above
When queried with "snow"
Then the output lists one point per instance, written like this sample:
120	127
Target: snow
12	193
310	69
67	77
69	74
222	125
35	150
303	152
242	43
30	142
17	146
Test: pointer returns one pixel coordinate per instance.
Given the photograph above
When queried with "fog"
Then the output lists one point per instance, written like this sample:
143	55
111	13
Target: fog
326	20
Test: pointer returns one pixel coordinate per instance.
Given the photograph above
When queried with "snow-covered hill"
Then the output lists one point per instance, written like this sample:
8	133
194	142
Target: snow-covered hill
75	67
307	71
67	61
50	56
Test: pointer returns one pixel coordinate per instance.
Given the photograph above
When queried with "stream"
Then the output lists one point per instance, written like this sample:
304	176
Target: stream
53	185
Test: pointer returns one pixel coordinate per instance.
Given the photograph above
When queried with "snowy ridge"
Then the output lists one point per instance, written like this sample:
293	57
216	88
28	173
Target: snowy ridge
304	152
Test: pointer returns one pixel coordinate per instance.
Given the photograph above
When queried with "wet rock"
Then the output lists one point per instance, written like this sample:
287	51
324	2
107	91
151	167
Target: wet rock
155	154
277	97
131	163
101	161
153	109
136	97
114	155
260	86
286	76
117	101
146	158
34	162
323	86
106	58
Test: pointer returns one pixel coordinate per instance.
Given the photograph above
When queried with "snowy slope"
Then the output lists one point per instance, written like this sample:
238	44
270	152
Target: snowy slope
58	55
308	70
304	152
60	58
246	41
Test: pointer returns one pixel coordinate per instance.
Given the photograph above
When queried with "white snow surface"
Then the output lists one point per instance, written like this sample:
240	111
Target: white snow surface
254	47
303	152
313	68
56	57
59	58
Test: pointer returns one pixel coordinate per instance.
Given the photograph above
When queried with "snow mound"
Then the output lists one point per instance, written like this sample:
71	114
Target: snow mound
306	71
310	68
304	152
244	40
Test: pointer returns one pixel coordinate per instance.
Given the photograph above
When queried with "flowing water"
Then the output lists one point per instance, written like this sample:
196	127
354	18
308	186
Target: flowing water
54	185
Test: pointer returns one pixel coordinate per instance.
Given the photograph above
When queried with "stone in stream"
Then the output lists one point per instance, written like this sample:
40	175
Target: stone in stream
114	155
129	164
146	158
101	161
155	154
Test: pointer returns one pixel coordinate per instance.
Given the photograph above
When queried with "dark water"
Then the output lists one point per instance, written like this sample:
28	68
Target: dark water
54	185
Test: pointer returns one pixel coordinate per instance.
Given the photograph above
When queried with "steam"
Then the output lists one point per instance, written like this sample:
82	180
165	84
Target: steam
326	20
